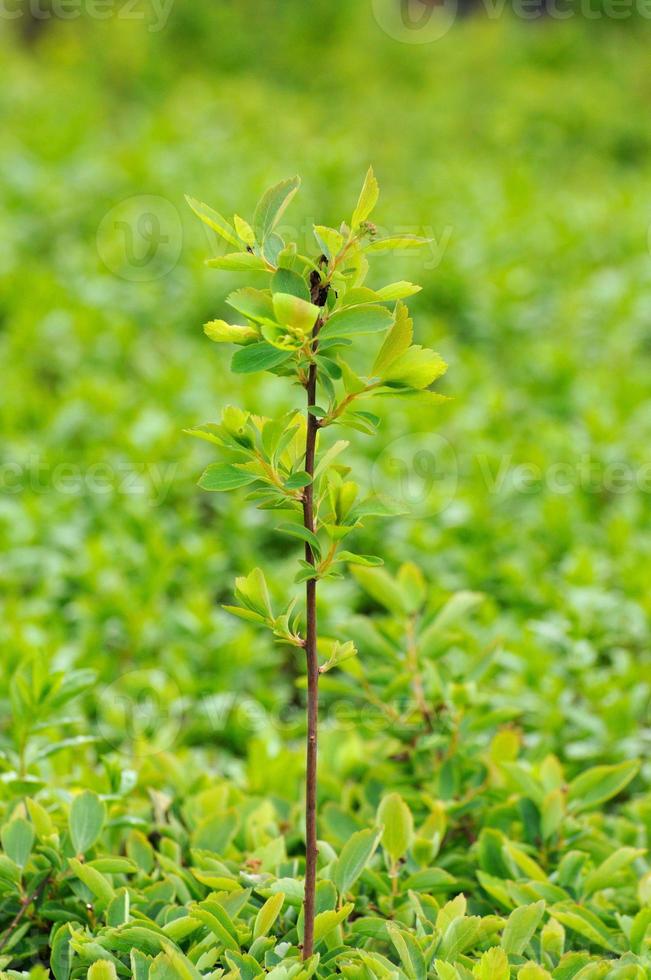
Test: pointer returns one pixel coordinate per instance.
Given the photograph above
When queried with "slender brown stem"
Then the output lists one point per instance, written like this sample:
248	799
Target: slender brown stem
312	661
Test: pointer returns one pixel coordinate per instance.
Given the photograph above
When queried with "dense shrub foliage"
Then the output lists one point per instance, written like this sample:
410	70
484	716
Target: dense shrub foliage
152	746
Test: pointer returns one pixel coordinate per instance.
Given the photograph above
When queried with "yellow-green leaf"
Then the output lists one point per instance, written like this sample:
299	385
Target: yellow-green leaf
230	333
214	220
326	921
268	915
367	199
396	342
398	822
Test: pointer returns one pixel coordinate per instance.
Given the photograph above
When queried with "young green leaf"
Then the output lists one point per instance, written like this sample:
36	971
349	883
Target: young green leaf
238	262
594	786
86	819
326	921
367	199
290	282
521	926
355	321
397	242
230	333
295	312
268	915
225	476
18	840
396	342
355	855
102	970
272	206
258	357
214	220
398	823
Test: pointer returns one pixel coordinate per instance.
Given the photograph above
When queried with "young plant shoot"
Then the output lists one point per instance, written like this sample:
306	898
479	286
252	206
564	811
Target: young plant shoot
314	323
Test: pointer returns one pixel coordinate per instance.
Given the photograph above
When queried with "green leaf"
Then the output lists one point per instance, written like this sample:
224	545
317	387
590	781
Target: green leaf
244	230
239	262
268	915
397	290
454	909
446	971
533	972
369	561
255	304
225	476
61	952
522	924
355	855
214	220
416	368
397	242
272	206
602	877
253	592
117	913
493	965
298	480
409	952
585	923
288	281
18	840
215	917
329	240
229	333
139	965
298	531
397	835
367	199
93	880
171	964
396	342
326	921
258	357
295	312
460	935
41	819
338	653
85	821
102	970
356	321
113	865
640	928
601	783
330	455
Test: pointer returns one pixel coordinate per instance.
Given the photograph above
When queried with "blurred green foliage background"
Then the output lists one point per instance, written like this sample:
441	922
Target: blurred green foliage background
523	149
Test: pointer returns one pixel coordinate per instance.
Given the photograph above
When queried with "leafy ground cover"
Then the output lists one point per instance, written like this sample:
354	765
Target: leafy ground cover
152	749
